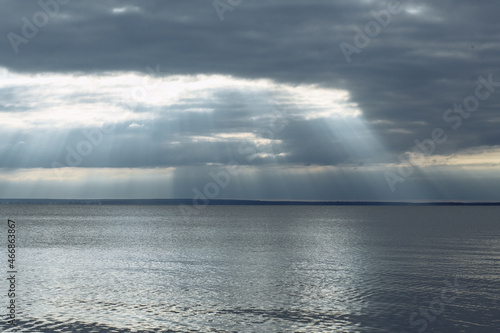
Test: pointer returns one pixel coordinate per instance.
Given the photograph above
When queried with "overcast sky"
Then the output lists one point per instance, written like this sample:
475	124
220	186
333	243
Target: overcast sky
250	99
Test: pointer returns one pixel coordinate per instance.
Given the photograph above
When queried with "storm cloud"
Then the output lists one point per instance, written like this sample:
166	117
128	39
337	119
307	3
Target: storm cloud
343	91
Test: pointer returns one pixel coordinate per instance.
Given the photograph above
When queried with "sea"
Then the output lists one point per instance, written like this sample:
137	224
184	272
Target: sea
105	268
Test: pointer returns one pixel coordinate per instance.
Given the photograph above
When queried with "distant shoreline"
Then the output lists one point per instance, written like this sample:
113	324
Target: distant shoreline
235	202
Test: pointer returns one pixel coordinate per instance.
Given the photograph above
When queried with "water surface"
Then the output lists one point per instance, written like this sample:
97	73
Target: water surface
256	269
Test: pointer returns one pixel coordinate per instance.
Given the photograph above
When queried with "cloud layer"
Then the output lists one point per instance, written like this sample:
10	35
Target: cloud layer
154	85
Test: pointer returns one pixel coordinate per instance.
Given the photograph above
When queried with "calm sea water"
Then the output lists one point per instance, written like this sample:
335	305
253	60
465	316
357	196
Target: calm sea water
255	269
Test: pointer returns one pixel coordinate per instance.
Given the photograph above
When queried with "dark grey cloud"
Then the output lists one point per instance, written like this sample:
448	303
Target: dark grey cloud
412	71
426	60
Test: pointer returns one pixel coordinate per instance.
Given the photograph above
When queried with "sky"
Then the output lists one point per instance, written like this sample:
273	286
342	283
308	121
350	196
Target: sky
239	99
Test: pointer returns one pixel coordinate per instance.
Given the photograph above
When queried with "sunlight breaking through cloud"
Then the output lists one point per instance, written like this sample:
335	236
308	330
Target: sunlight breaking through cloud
64	100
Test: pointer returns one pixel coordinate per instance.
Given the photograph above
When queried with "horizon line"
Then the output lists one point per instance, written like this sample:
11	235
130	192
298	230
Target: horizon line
193	202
